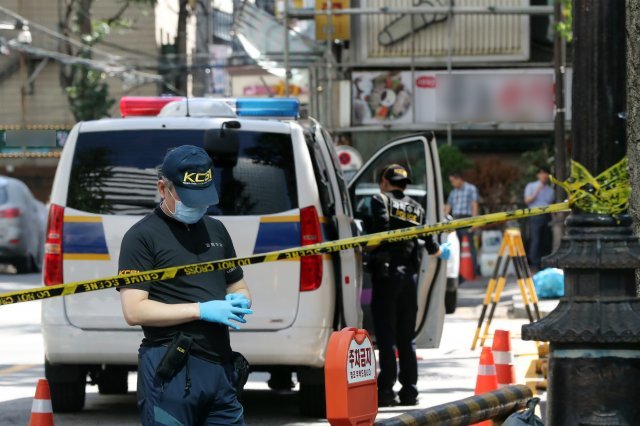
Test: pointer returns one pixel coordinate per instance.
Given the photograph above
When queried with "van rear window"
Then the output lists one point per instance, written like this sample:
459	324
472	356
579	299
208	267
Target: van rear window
116	172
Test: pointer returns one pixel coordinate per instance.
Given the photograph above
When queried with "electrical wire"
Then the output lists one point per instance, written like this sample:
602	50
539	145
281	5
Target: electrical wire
112	66
34	25
129	76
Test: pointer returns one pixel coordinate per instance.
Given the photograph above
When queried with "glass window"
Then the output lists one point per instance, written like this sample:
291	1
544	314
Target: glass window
410	155
116	172
320	170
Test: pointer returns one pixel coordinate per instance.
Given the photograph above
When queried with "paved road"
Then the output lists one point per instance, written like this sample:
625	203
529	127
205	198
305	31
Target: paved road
446	374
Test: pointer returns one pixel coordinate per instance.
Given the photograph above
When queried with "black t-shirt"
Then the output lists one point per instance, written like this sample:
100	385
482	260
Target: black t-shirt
159	241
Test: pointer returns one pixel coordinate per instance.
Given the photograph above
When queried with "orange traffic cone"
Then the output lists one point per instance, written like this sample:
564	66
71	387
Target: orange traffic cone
466	262
501	347
41	411
486	381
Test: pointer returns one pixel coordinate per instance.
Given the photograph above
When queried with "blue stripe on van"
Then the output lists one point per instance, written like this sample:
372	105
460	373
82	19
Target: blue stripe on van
84	238
274	236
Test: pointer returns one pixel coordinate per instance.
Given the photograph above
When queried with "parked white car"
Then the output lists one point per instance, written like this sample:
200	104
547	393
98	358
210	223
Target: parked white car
22	226
280	186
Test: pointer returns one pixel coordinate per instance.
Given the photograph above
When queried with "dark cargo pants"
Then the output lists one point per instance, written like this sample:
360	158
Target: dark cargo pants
394	308
209	400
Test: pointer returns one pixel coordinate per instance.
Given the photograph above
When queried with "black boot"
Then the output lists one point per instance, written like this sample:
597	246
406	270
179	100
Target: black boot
387	398
408	395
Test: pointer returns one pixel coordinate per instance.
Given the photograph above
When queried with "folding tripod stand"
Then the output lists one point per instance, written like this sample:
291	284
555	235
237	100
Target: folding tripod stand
511	250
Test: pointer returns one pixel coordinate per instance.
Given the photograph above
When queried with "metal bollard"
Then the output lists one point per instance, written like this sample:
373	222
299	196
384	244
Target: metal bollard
497	404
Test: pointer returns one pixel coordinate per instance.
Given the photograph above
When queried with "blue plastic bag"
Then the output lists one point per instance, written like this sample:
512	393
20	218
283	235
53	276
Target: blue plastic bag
525	418
549	283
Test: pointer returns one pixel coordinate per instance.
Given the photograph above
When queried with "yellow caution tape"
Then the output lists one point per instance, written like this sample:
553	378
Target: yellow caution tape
608	193
293	253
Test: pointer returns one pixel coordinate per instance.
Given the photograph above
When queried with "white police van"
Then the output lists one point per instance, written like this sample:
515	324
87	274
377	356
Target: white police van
280	186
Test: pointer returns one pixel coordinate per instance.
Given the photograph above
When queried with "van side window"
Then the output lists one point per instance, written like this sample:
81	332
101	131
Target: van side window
342	184
409	155
321	172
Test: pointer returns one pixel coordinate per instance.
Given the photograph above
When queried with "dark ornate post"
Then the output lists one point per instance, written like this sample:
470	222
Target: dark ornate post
594	332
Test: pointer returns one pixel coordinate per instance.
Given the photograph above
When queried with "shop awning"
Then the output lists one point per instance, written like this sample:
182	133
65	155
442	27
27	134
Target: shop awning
263	38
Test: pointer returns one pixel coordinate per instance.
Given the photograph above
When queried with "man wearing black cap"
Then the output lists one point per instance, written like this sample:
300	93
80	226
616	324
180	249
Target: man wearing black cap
185	370
394	270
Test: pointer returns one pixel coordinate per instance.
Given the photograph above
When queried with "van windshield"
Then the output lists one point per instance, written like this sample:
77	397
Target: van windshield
115	172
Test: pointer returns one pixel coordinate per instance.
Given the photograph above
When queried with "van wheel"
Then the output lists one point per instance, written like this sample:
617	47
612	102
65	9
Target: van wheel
312	401
68	385
451	301
67	397
113	380
36	263
312	394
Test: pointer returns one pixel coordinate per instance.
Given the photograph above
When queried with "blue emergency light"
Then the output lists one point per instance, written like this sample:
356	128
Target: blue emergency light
257	107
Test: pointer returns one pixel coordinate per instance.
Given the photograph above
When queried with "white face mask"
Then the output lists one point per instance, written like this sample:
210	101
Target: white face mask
186	214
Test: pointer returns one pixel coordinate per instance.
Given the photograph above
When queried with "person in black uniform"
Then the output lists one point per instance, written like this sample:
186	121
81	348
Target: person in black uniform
185	371
394	269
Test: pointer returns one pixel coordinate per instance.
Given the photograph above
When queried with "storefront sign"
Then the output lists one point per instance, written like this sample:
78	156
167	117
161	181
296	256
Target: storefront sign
380	39
268	85
479	96
339	27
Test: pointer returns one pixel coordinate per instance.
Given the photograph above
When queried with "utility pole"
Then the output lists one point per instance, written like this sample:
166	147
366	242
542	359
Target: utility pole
560	143
287	67
560	151
594	362
633	114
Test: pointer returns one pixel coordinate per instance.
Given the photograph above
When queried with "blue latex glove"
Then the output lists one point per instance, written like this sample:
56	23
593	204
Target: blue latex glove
238	299
223	311
445	251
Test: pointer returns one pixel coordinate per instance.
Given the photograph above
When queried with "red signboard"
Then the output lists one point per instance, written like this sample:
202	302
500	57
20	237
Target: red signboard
350	379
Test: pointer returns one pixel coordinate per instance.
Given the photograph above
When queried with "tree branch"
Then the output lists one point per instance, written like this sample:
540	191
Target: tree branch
119	13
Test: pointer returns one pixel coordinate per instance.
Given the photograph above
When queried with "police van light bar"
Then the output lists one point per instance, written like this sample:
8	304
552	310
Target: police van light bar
256	107
136	106
144	105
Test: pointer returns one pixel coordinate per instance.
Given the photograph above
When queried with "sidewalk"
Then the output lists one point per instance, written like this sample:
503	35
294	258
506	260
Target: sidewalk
471	295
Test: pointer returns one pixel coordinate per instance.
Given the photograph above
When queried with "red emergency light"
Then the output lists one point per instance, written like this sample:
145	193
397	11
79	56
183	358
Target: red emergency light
144	105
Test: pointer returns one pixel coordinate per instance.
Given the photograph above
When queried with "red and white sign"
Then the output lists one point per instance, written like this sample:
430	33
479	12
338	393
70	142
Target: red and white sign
350	378
350	158
361	362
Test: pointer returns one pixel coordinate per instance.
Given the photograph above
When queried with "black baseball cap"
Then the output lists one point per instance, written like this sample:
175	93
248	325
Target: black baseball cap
191	170
396	173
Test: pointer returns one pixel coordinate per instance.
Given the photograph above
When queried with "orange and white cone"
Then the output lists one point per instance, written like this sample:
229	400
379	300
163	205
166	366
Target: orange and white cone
487	380
505	372
41	411
466	261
